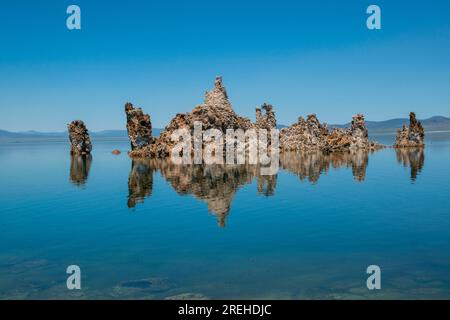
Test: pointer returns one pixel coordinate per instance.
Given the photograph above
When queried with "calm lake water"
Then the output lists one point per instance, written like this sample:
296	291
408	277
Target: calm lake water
150	229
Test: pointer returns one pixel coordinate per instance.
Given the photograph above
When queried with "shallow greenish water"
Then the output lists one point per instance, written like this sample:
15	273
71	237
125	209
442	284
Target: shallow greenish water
149	229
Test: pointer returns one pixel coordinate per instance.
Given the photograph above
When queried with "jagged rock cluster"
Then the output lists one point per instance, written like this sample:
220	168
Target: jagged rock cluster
412	135
310	134
215	113
354	138
265	121
139	127
307	134
80	142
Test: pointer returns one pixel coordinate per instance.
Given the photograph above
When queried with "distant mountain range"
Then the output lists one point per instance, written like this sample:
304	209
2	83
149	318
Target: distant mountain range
436	123
24	134
64	134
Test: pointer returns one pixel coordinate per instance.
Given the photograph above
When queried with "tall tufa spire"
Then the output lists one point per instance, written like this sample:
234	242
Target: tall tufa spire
218	97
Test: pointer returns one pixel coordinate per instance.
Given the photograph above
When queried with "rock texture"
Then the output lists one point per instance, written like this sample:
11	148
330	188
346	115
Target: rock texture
311	135
354	138
307	134
412	135
267	120
215	113
359	133
139	127
80	142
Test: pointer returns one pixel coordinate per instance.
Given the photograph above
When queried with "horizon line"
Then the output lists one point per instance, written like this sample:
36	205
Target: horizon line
284	125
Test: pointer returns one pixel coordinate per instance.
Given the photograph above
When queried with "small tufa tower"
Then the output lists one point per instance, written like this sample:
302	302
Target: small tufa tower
80	142
412	135
267	120
139	127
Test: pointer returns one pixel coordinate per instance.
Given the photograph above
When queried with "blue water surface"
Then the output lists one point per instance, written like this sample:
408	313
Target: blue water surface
149	230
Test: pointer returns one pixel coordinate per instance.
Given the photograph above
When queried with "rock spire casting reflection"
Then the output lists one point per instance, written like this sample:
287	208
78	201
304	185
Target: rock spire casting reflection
217	185
79	168
140	182
310	165
413	158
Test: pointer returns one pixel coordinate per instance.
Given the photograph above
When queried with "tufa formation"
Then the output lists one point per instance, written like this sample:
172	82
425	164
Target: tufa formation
216	112
139	127
311	135
307	134
80	142
354	138
412	135
265	121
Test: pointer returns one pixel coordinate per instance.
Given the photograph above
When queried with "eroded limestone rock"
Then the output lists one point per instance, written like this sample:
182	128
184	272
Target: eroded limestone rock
307	134
311	135
215	113
80	142
354	138
267	120
139	127
359	133
412	135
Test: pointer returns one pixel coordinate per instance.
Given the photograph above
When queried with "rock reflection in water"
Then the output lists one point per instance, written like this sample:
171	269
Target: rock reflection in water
140	182
217	184
79	168
413	158
214	184
310	165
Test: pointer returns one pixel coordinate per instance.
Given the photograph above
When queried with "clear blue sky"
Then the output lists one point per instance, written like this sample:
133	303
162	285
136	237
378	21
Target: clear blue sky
301	56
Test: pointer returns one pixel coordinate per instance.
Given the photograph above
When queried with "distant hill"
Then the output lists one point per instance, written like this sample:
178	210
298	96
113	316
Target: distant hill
100	134
4	133
436	123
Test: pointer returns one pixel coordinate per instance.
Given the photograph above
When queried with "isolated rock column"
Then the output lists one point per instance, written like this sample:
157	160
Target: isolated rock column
359	133
80	142
307	134
139	127
412	135
267	120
